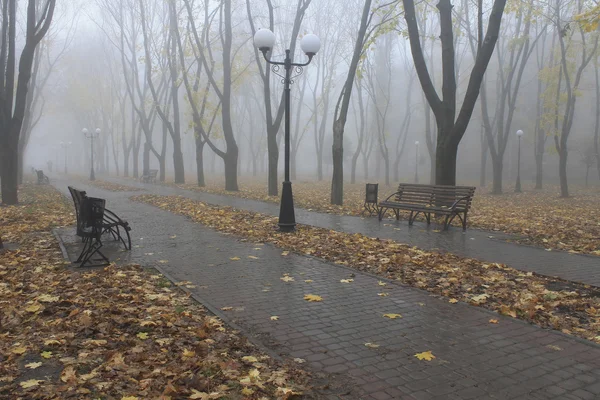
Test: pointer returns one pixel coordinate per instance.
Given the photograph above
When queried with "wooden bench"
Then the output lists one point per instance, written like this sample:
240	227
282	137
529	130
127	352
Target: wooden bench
451	201
41	177
90	227
150	176
111	223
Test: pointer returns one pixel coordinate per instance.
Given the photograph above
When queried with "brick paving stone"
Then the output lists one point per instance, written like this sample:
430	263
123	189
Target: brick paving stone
477	359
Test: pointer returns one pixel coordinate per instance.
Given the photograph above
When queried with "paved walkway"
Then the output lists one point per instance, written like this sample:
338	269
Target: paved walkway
474	359
473	244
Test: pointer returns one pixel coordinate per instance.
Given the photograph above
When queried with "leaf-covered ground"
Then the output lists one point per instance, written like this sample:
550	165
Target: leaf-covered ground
565	306
540	218
113	187
112	333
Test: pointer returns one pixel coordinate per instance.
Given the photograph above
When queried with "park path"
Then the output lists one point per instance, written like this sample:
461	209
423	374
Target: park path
474	243
474	358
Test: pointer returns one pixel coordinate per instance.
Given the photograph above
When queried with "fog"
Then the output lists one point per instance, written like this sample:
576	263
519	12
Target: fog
151	75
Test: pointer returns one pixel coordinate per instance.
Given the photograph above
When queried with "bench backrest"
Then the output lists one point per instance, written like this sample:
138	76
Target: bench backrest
40	174
78	196
91	214
436	195
153	173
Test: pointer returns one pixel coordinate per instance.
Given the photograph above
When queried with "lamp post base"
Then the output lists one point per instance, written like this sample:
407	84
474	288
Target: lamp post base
92	175
518	185
287	219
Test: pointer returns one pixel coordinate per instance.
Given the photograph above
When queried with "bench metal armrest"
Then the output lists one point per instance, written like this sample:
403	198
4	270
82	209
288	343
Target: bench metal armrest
389	197
453	206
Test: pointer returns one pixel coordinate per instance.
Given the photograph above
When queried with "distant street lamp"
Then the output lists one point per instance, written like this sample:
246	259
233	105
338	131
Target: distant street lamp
65	145
264	39
417	162
518	185
92	135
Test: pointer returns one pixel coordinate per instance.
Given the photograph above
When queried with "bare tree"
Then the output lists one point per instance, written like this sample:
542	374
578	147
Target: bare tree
451	128
13	103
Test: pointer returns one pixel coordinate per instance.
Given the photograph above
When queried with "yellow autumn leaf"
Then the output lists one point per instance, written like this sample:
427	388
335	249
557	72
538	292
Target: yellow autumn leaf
50	342
312	297
30	383
392	316
346	280
493	321
147	323
142	335
234	258
247	391
46	354
371	345
163	261
226	308
33	308
426	355
287	278
453	301
250	359
308	280
188	353
381	283
33	365
285	253
19	350
46	298
129	398
274	318
383	294
253	257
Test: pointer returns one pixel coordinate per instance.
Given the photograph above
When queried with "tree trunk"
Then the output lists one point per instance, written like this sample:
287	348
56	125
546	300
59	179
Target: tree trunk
497	168
200	161
445	167
230	161
587	173
273	157
562	172
9	158
178	167
337	180
539	159
484	157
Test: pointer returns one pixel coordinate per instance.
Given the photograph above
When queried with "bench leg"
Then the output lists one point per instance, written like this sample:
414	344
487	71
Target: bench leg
397	212
411	218
428	217
381	213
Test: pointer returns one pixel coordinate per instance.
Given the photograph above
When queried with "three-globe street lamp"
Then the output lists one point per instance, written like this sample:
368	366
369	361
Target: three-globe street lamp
264	39
518	184
92	135
417	162
64	146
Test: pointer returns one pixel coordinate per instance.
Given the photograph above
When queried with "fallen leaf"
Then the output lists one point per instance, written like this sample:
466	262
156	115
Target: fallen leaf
30	383
285	253
250	359
426	355
346	280
33	365
392	316
382	283
553	347
312	297
46	354
308	280
19	350
453	301
247	391
287	278
227	308
142	335
46	298
383	294
493	321
33	308
172	237
371	345
163	261
234	258
274	318
299	360
253	257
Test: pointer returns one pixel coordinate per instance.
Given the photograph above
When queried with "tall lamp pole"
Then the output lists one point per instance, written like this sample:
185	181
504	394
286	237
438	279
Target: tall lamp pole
64	146
264	39
92	135
518	184
417	162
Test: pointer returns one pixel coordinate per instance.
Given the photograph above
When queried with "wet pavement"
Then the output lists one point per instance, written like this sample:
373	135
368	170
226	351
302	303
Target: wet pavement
474	358
474	243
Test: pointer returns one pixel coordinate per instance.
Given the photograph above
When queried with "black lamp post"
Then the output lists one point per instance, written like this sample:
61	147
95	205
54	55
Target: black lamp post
518	184
64	146
417	161
264	39
92	135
